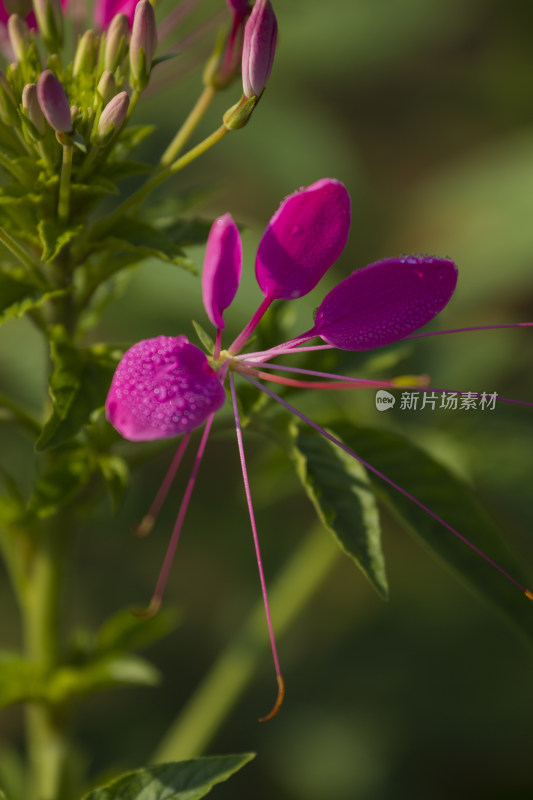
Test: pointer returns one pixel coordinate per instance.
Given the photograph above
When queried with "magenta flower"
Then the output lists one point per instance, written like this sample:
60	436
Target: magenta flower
167	386
105	10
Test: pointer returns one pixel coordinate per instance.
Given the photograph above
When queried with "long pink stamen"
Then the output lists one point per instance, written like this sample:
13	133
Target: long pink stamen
148	521
364	383
368	466
281	687
469	330
157	597
281	350
350	383
250	327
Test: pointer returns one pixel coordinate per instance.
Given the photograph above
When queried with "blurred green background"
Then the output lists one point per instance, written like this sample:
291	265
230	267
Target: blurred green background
424	109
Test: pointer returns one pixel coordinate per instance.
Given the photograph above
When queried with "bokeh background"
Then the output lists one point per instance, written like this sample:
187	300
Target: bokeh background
424	109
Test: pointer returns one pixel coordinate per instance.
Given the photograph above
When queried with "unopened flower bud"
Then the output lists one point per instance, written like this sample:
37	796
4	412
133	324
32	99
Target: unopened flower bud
54	102
49	15
116	41
21	7
260	36
107	87
19	36
86	54
143	44
30	104
113	116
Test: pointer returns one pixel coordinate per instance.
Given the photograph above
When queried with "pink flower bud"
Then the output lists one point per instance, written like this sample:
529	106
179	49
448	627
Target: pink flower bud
260	36
385	302
162	387
303	239
222	268
143	44
30	104
113	115
116	42
19	36
54	102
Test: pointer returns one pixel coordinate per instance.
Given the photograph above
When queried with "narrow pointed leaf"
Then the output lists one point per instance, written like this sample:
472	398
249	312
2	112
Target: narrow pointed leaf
454	501
182	780
339	488
19	293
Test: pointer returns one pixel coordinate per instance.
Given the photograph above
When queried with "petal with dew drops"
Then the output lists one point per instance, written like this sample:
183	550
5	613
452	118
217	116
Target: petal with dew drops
162	387
222	268
303	239
385	302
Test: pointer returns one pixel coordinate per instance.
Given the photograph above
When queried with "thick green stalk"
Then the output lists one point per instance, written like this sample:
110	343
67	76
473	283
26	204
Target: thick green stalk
225	683
63	208
187	129
41	613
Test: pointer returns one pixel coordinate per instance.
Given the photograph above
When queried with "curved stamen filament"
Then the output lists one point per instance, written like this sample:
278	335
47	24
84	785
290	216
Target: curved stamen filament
281	685
157	597
472	329
349	383
383	477
148	521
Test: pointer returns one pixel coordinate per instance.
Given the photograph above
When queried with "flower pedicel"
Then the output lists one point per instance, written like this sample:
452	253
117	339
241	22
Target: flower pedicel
166	387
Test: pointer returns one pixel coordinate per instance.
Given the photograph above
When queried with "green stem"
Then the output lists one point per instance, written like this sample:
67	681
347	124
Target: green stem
20	253
225	683
47	746
63	207
188	127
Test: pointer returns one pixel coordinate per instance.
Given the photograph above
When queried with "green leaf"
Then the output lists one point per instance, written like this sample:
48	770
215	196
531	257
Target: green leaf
19	680
69	471
54	237
448	496
204	337
78	386
99	675
125	632
143	240
11	411
181	780
340	491
116	474
20	294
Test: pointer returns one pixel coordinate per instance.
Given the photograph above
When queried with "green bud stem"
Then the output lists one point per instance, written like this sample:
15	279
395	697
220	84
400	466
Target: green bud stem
225	683
188	127
63	207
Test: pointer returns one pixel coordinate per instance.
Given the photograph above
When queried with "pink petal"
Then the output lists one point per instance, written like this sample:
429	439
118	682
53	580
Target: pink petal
162	387
105	10
385	302
222	268
303	239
